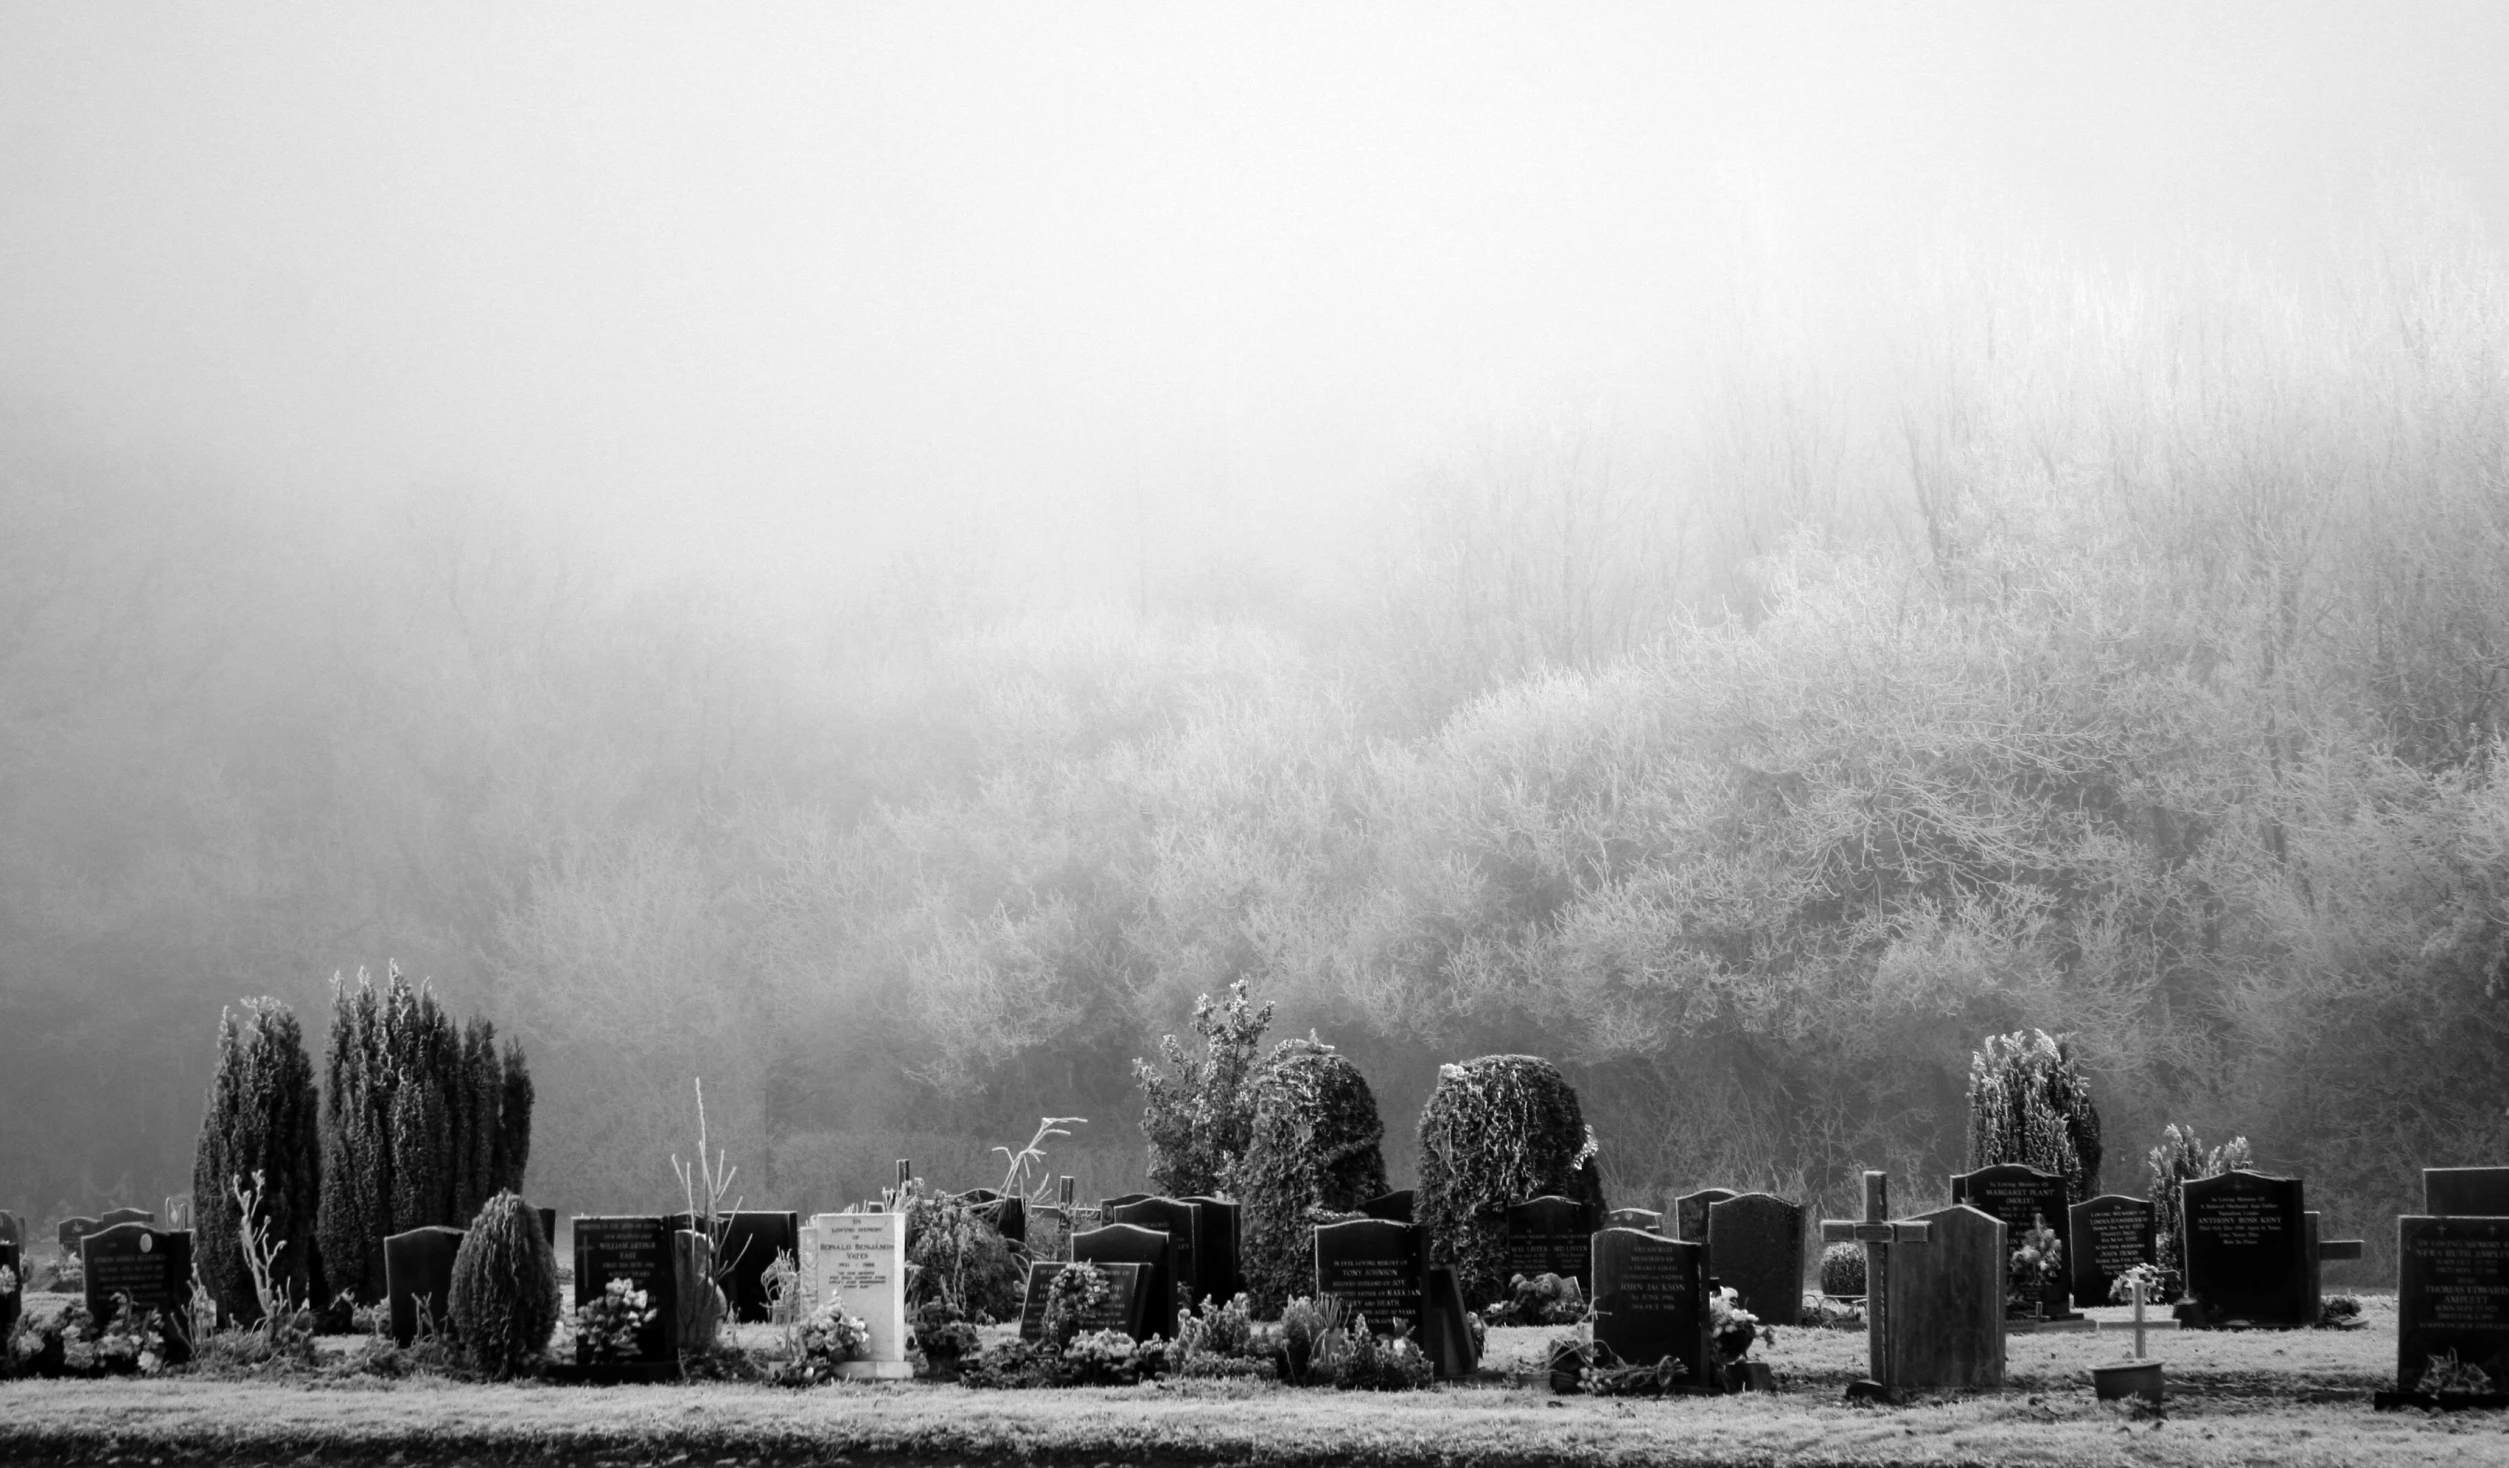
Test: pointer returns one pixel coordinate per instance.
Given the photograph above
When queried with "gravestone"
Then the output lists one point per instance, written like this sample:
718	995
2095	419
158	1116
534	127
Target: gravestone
1183	1226
1127	1299
1109	1205
1946	1312
2480	1191
1155	1252
1394	1207
1216	1261
2109	1234
636	1248
13	1286
548	1226
2022	1197
151	1268
1452	1352
1646	1219
860	1265
1377	1268
1009	1216
417	1273
2247	1249
1690	1213
1549	1235
72	1230
114	1217
1755	1245
1650	1301
2452	1304
751	1240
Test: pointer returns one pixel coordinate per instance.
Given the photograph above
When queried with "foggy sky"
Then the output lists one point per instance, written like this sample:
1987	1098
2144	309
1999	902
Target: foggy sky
791	290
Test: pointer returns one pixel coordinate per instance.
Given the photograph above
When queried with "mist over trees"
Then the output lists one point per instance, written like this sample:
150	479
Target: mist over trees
2126	660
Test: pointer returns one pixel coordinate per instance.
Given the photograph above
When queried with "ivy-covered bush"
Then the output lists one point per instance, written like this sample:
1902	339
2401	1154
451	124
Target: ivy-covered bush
423	1121
261	1123
503	1299
1195	1109
2179	1158
958	1265
1497	1130
2030	1103
1314	1153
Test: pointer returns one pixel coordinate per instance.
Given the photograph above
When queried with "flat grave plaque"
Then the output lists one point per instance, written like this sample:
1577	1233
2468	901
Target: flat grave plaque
1690	1213
635	1248
1755	1247
1376	1268
2246	1249
2110	1234
1550	1235
2452	1305
1650	1301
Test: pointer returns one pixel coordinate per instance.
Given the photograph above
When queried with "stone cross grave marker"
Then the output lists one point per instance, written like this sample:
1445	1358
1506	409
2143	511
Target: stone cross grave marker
861	1268
1215	1261
1650	1302
2480	1191
2320	1252
1755	1247
1377	1268
2247	1249
751	1240
1690	1213
1127	1297
634	1247
2023	1197
2452	1305
13	1285
2107	1236
1154	1309
1394	1207
152	1268
417	1274
1879	1236
1646	1219
1183	1227
1551	1235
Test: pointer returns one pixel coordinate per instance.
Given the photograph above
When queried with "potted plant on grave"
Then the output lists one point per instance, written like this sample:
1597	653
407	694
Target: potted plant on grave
2138	1375
1732	1331
2038	1275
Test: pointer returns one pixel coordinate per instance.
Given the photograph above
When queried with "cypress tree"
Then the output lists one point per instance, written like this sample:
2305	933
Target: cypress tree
356	1160
262	1119
514	1120
2030	1103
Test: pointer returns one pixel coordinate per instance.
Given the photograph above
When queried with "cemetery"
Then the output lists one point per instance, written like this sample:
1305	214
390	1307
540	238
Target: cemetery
1267	1303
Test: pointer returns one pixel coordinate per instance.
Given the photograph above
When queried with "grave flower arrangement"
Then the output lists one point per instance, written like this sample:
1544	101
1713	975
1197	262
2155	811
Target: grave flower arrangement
1732	1330
1079	1291
1577	1362
607	1325
1374	1363
831	1337
1545	1299
1110	1358
2446	1373
2037	1262
1219	1341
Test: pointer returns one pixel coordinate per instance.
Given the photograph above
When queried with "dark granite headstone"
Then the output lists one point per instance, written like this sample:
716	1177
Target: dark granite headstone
1646	1219
1650	1300
1155	1252
1449	1335
1109	1205
548	1226
635	1248
1183	1223
417	1274
1945	1313
1377	1268
13	1288
1216	1261
74	1229
1755	1247
114	1217
2023	1197
1394	1207
151	1267
2108	1235
1550	1235
1008	1215
2247	1248
1690	1213
1127	1299
2480	1191
2452	1301
751	1240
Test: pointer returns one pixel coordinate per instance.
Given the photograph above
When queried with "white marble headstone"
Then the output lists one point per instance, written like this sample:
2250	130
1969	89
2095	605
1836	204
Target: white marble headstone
859	1260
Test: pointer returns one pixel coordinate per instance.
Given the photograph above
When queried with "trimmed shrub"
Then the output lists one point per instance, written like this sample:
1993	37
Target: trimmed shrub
1196	1111
1313	1154
262	1118
2179	1158
2030	1103
503	1298
422	1122
1497	1130
1842	1269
